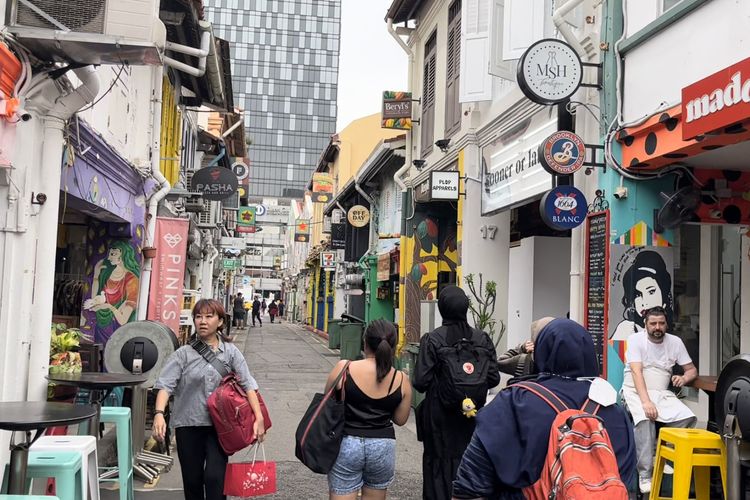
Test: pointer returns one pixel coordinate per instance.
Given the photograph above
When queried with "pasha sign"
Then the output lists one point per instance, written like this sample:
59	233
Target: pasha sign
563	208
215	183
549	72
716	101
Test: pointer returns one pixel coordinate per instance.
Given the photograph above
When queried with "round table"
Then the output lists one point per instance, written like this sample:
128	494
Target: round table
27	416
100	385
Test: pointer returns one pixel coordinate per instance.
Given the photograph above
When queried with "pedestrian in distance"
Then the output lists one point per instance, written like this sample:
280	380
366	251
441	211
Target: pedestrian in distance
519	361
376	397
263	307
238	307
273	310
456	366
509	447
282	309
256	311
188	377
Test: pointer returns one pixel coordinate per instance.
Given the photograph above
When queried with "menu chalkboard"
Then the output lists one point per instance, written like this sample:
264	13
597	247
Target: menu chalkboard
597	276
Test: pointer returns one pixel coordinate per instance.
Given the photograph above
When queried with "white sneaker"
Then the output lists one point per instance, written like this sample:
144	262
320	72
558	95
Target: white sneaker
668	469
644	484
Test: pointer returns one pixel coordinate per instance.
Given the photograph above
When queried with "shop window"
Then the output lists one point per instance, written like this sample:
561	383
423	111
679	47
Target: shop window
686	303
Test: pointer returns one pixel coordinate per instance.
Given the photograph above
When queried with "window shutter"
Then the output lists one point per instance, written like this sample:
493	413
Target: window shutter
452	105
523	24
427	124
475	80
498	66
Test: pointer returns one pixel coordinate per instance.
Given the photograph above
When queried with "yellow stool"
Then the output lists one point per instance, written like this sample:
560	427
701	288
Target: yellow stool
689	449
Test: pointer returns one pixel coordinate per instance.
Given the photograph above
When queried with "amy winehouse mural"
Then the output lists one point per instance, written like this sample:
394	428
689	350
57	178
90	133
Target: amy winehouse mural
641	280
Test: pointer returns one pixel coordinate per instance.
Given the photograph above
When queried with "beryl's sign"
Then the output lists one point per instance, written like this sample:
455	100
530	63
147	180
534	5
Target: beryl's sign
716	101
563	208
214	183
396	110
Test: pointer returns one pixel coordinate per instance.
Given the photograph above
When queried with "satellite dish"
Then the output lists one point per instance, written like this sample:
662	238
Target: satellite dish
140	347
733	393
679	207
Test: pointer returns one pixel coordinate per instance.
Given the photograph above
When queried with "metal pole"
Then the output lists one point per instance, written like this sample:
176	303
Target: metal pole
19	459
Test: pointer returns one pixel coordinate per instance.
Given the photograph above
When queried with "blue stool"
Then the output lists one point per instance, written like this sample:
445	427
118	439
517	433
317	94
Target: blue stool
27	497
121	418
63	466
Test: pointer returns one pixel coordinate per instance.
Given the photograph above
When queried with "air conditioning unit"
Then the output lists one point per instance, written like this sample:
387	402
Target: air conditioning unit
195	205
208	218
90	31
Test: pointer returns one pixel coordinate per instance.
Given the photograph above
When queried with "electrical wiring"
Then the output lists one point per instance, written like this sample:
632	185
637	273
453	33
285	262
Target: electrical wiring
114	82
572	107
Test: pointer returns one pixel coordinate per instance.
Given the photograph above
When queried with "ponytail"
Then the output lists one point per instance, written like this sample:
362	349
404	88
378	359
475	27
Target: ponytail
380	338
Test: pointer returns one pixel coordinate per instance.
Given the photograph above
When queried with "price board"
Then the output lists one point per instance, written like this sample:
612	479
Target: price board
596	293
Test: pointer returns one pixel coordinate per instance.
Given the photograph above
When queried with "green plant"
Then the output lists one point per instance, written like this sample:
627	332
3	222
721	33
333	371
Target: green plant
482	307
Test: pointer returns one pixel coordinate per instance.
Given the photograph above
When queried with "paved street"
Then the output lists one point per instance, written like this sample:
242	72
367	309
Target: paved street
290	365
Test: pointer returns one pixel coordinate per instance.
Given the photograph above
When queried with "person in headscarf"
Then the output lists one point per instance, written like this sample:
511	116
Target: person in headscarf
519	361
509	445
445	431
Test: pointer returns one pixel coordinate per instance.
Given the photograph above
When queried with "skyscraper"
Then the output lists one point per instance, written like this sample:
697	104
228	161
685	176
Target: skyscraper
285	60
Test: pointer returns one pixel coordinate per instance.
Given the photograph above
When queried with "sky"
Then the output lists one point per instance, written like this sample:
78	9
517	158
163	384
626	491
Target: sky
371	61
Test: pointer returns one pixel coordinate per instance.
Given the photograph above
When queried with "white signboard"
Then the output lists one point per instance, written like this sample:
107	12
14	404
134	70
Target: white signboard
272	213
510	165
444	186
227	242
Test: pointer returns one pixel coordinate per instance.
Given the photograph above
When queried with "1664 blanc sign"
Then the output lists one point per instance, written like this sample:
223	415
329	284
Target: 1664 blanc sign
215	183
550	71
563	208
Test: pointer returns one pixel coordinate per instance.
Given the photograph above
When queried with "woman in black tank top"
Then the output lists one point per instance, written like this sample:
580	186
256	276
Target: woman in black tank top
376	396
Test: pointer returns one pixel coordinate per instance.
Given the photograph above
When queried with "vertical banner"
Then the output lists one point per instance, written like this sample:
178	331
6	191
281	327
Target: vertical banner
322	187
246	220
302	230
168	275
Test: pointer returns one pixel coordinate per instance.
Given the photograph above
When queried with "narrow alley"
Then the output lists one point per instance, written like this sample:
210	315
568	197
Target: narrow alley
290	365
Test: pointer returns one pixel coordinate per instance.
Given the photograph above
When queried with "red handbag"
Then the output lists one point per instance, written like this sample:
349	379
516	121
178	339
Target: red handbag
250	479
230	411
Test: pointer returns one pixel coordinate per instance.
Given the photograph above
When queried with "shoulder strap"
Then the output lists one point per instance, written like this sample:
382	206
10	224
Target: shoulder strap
544	394
340	376
590	407
395	372
209	356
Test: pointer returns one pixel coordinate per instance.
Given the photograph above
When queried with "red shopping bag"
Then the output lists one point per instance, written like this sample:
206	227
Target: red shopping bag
251	479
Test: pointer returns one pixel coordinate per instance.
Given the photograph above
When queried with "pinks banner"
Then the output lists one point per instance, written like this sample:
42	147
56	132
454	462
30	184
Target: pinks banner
168	274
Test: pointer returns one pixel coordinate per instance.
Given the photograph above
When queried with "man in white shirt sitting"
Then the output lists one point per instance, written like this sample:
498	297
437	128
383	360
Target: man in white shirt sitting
650	357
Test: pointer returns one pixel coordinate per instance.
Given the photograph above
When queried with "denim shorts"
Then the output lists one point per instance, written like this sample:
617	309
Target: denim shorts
369	462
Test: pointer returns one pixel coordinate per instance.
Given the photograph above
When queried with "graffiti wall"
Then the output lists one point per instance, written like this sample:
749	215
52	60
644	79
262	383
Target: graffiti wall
421	277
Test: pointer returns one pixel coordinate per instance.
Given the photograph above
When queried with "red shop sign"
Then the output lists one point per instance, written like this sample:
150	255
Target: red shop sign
168	274
716	101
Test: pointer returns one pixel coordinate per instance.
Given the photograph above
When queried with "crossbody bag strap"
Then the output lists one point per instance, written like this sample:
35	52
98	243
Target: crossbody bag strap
205	351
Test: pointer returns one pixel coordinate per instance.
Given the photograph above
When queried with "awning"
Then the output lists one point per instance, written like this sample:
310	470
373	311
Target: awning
403	10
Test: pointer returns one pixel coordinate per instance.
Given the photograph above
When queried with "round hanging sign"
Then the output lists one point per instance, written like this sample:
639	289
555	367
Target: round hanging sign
260	210
550	71
562	153
240	170
214	183
358	216
563	208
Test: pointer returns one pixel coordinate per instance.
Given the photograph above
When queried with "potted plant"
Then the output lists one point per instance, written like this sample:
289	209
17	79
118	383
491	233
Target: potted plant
149	252
64	358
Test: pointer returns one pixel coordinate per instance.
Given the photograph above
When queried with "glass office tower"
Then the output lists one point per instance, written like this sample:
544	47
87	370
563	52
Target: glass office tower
285	60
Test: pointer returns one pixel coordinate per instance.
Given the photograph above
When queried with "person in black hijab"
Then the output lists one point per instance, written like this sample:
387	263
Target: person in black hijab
509	445
446	430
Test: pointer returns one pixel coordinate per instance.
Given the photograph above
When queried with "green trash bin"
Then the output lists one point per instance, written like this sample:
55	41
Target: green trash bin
334	333
351	340
408	364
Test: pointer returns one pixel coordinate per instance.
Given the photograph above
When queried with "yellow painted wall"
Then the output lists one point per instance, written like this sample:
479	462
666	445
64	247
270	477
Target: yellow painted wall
171	134
356	143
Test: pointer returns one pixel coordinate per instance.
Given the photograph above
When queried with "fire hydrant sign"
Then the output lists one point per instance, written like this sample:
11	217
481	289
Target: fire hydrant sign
328	260
168	275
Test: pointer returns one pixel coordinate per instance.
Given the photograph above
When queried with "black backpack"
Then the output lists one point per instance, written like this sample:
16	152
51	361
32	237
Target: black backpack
463	369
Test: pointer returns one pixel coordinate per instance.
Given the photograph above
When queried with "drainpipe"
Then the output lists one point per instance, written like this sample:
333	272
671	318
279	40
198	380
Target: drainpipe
559	19
164	187
49	185
201	54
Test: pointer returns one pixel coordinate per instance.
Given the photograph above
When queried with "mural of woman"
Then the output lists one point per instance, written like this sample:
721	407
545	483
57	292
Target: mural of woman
114	289
646	284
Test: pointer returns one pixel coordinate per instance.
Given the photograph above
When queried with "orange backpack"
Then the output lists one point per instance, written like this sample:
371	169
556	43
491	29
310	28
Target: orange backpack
580	462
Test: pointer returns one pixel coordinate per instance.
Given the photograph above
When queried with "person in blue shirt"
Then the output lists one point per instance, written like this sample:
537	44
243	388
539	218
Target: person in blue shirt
509	445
